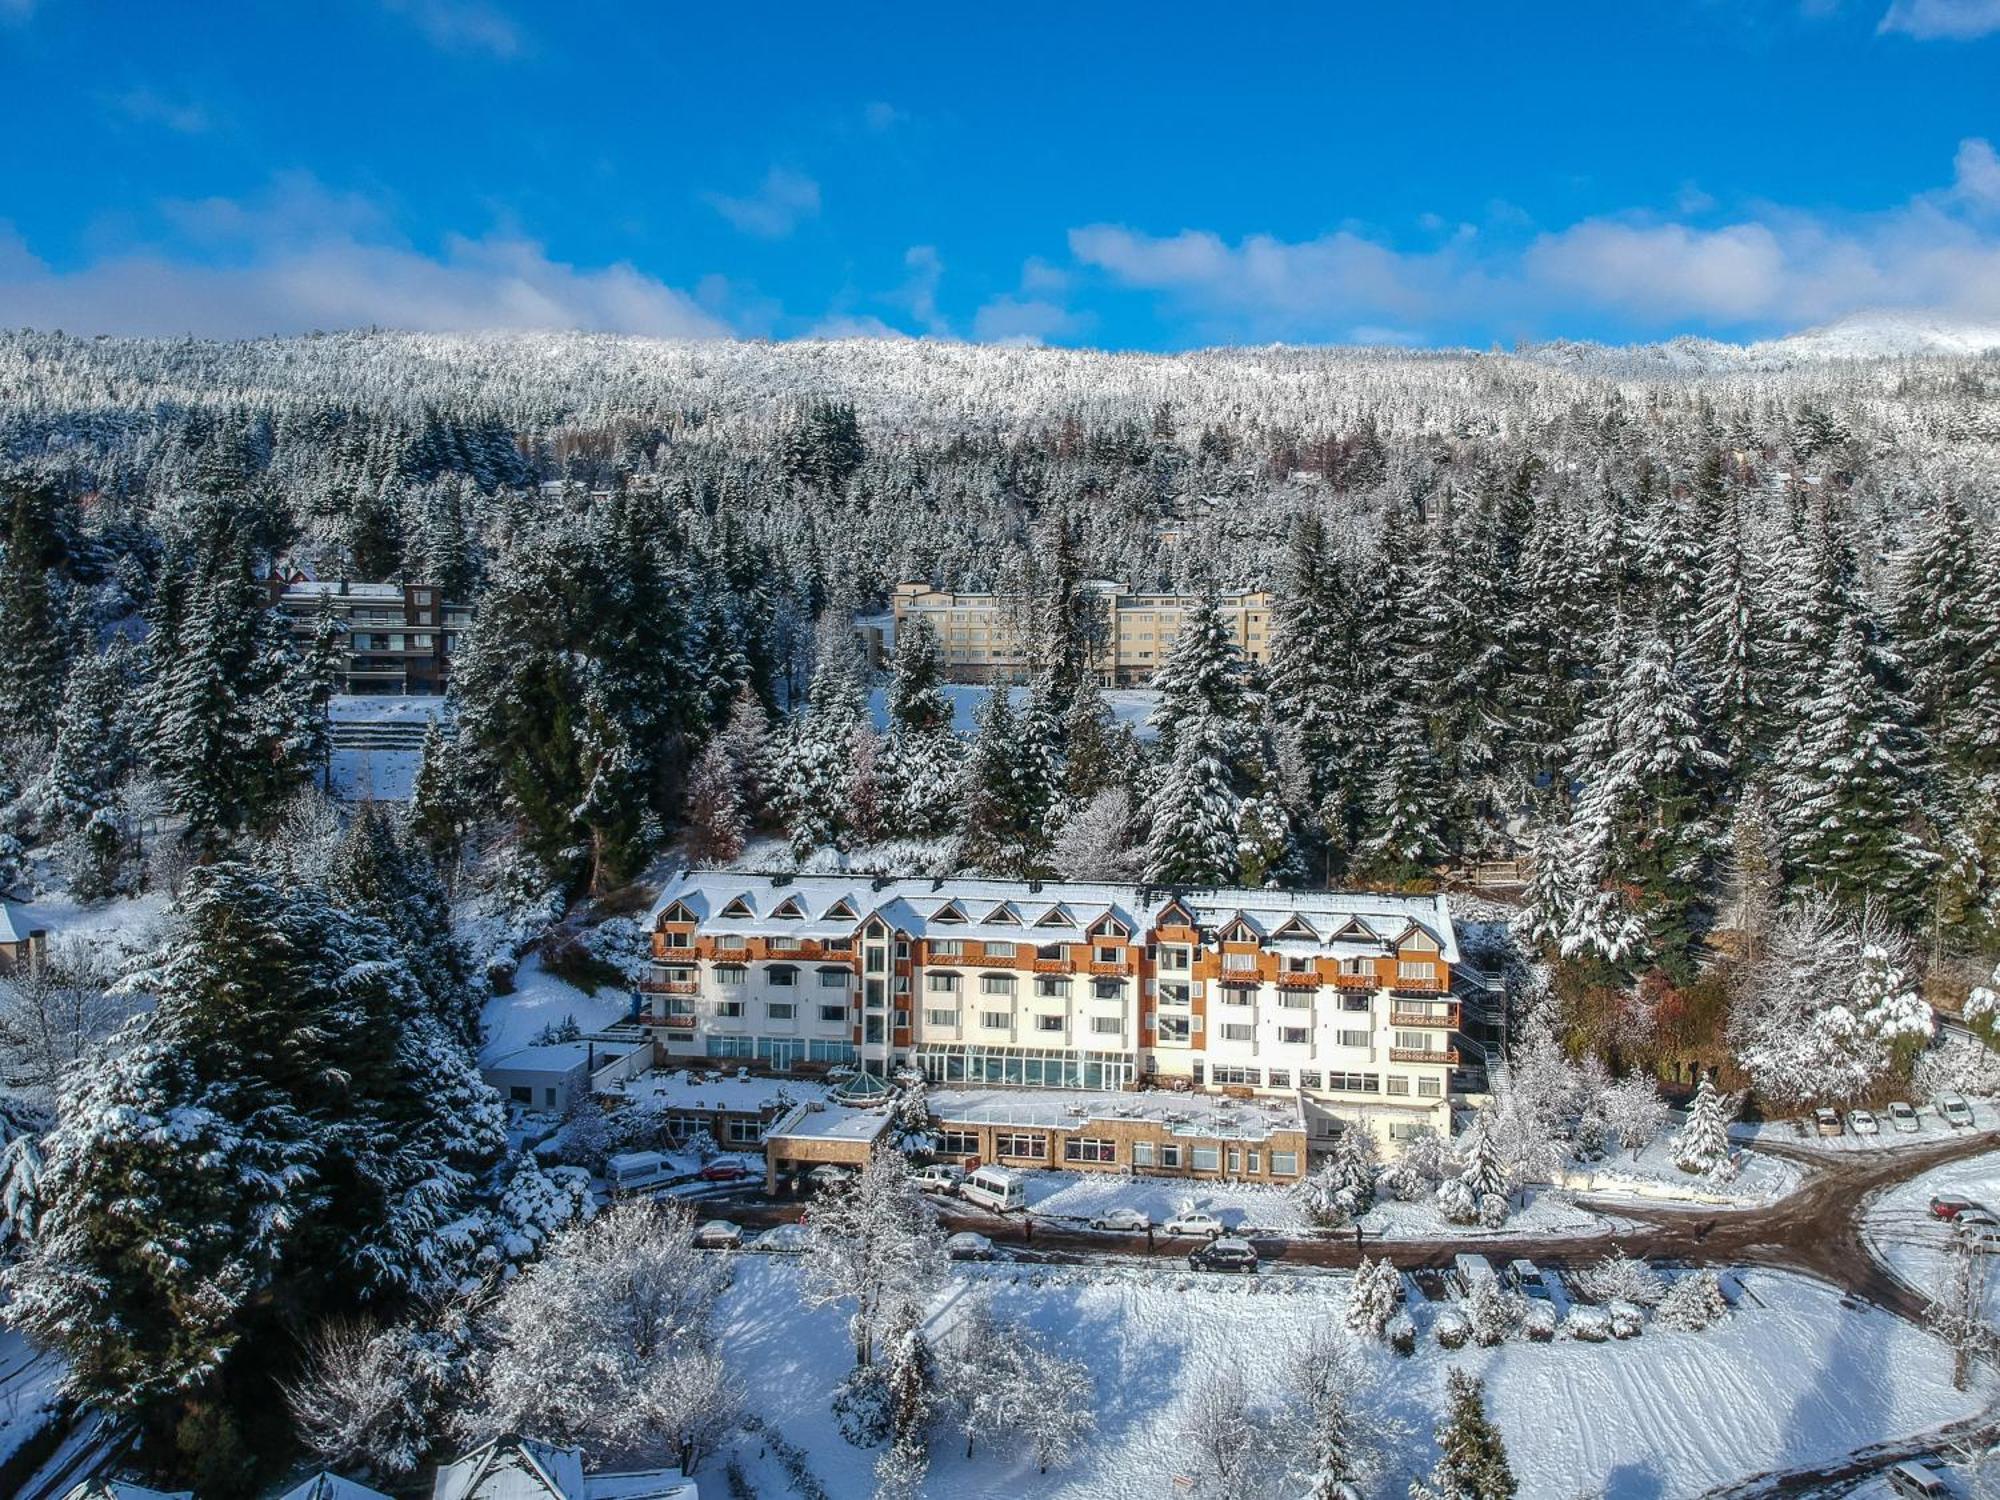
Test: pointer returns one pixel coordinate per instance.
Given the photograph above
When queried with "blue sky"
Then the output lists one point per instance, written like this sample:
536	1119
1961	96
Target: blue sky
1147	177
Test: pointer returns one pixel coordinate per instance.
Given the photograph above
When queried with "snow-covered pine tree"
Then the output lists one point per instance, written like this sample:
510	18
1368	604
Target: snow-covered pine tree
34	635
1373	1296
920	759
1472	1463
441	807
1405	827
716	826
1725	645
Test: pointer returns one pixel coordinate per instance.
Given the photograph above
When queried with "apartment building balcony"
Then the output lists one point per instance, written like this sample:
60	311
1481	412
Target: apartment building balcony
1107	971
669	987
1299	981
1444	1056
1052	966
1446	1017
806	948
678	1023
1355	982
1419	987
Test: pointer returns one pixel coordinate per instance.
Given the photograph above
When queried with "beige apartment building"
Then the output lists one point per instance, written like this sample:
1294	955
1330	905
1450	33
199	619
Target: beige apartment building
983	640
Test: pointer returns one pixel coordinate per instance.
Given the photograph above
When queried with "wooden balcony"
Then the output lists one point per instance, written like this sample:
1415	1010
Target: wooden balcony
1292	981
1443	1056
1447	1017
1110	971
669	987
1420	986
1356	982
684	1023
1052	966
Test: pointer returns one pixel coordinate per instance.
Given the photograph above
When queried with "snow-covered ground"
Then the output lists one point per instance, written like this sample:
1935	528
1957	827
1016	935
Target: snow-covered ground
1899	1230
385	708
374	775
541	999
1931	1129
125	926
1127	705
1794	1377
1760	1179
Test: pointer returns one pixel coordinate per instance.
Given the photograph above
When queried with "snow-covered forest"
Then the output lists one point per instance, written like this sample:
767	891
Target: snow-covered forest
1708	641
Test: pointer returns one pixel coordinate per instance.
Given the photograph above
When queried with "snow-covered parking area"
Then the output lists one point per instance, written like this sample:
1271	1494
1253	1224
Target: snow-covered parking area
1931	1129
1901	1232
1793	1378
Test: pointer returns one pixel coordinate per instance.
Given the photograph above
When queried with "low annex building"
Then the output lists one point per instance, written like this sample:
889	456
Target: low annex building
1158	1134
1341	1000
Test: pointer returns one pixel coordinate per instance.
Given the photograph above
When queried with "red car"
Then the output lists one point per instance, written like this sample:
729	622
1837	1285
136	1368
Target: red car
723	1171
1950	1206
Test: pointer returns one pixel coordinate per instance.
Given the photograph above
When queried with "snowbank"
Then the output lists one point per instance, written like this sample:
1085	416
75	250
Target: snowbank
1794	1378
1761	1179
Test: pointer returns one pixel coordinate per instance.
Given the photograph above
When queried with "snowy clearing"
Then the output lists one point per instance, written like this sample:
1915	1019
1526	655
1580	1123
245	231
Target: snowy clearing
385	708
1797	1379
541	999
1900	1231
1761	1179
127	926
374	775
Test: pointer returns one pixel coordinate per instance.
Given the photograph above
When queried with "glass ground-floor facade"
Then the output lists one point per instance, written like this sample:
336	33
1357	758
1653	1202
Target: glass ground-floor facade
781	1052
1028	1067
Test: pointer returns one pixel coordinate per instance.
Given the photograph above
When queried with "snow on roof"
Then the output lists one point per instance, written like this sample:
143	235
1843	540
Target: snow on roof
682	1088
555	1058
830	1123
336	588
328	1486
120	1489
1065	1109
9	932
912	906
640	1484
512	1468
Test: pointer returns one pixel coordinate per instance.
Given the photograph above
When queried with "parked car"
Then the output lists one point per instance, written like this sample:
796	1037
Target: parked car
1951	1205
941	1177
967	1245
1863	1122
1123	1221
828	1175
719	1234
1526	1278
1919	1481
1904	1119
630	1171
728	1169
1957	1113
1826	1121
784	1239
995	1188
1194	1222
1224	1254
1979	1226
1472	1268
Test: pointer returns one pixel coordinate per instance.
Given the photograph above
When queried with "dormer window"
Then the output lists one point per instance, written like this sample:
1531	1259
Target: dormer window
739	910
1055	916
678	912
790	910
839	911
1297	928
951	912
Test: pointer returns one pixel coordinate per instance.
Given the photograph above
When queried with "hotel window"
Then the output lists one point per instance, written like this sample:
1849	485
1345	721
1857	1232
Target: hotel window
1052	987
1411	1041
1310	1079
1108	989
957	1143
1107	1026
729	974
780	1010
1425	973
996	984
995	1020
729	1007
833	1013
941	1018
1206	1158
1239	962
1142	1153
1355	1083
1235	1161
1048	1023
1430	1088
999	950
781	944
1224	1073
730	942
1351	1038
1170	1154
783	976
1294	1036
1396	1084
1279	1078
1284	1163
1173	958
950	948
1035	1147
1083	1148
941	984
680	940
1236	1031
1110	955
833	979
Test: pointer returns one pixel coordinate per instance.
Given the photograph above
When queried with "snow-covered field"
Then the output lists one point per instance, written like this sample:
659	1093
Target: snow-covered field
1760	1179
542	999
1127	705
1792	1378
125	926
374	775
1900	1231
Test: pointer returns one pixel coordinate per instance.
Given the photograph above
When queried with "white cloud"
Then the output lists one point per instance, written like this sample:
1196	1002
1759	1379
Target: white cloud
880	115
462	26
1942	20
1024	320
303	258
919	292
854	326
775	209
1772	269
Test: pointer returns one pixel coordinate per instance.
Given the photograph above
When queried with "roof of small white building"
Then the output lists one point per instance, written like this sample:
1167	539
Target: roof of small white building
10	930
119	1489
329	1486
556	1059
517	1468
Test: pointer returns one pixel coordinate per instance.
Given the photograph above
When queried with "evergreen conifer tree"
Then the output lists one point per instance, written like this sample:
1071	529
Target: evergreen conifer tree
1472	1463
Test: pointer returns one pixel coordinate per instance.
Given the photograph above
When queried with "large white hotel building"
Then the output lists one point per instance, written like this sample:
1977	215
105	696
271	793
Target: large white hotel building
1342	1000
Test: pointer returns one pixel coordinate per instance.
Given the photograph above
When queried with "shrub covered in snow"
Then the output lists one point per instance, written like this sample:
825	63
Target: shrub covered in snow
1401	1334
1452	1328
1622	1278
1494	1312
1703	1142
1692	1303
1538	1321
1590	1324
1373	1297
1627	1319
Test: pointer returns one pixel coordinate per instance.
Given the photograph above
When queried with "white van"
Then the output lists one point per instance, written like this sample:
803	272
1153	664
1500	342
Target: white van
632	1170
1472	1268
995	1188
